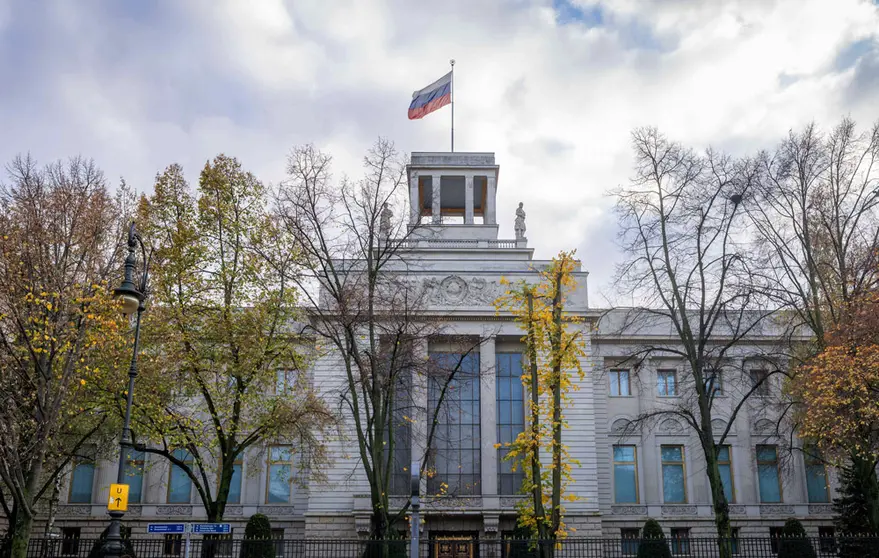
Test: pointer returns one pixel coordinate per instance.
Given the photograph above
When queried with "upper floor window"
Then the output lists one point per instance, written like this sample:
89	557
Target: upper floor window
510	418
455	456
234	496
767	474
625	474
816	476
724	465
401	427
713	381
674	488
81	482
760	381
179	483
134	465
279	480
285	381
619	383
666	383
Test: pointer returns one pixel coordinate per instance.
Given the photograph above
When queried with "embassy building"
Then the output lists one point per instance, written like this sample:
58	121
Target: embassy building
625	475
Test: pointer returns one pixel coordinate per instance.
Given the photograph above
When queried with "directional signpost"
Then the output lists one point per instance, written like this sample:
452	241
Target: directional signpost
118	498
166	528
212	528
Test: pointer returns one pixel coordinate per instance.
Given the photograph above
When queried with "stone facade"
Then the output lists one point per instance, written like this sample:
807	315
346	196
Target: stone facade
458	266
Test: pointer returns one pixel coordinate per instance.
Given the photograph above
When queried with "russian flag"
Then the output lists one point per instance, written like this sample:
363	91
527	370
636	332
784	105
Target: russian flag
435	96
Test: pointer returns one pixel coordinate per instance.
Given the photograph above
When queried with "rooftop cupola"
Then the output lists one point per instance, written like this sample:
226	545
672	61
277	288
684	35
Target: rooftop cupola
453	194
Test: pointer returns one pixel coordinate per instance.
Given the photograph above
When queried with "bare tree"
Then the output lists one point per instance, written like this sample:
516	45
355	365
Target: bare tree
815	201
371	314
59	232
681	220
815	212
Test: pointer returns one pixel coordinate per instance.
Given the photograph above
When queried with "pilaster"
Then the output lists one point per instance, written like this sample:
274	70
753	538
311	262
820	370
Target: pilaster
488	421
468	200
435	185
490	210
414	199
419	407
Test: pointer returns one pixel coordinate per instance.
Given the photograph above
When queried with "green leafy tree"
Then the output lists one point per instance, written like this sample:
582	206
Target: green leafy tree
222	371
553	347
653	543
59	326
257	541
794	543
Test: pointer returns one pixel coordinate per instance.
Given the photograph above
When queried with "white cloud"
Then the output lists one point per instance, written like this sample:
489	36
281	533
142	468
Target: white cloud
556	101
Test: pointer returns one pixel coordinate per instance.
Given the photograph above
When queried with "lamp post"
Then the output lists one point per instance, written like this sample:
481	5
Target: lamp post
133	293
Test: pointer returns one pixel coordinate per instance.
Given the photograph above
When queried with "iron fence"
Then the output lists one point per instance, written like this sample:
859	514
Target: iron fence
175	546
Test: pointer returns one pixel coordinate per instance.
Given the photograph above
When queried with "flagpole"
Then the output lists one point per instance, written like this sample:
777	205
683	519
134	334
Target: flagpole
452	94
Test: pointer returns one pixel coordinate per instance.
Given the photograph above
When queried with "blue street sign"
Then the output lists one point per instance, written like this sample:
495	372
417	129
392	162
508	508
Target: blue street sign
212	528
166	528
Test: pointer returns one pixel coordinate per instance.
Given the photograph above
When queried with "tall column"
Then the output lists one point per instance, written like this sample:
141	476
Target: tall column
414	201
419	407
435	187
468	200
488	418
490	216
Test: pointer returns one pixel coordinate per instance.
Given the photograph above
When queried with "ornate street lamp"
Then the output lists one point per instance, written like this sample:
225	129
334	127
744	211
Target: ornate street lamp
133	293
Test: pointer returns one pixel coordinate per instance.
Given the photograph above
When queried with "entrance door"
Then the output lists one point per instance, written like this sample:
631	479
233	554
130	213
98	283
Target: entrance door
453	547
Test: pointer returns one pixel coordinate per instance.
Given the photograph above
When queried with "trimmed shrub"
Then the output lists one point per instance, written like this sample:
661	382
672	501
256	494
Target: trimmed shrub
793	542
257	541
653	543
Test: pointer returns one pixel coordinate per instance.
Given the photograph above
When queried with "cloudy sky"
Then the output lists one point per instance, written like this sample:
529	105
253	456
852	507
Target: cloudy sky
553	87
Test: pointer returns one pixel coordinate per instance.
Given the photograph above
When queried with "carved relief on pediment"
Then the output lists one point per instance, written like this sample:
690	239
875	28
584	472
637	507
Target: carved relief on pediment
454	290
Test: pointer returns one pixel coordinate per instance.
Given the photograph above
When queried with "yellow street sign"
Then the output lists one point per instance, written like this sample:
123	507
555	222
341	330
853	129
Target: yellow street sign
118	497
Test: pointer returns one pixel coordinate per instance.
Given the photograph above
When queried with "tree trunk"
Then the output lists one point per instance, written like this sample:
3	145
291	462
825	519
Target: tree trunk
536	474
721	506
21	535
556	348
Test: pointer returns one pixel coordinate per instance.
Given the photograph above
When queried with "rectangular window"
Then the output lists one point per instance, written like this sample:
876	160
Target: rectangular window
70	540
81	482
619	383
630	537
234	496
760	380
816	476
666	383
724	464
775	533
401	422
278	537
767	474
625	474
674	490
510	419
680	540
734	540
134	464
285	381
217	545
827	540
172	545
713	380
279	481
455	454
179	483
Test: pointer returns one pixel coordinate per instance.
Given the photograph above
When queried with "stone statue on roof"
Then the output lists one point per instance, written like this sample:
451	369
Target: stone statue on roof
519	225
